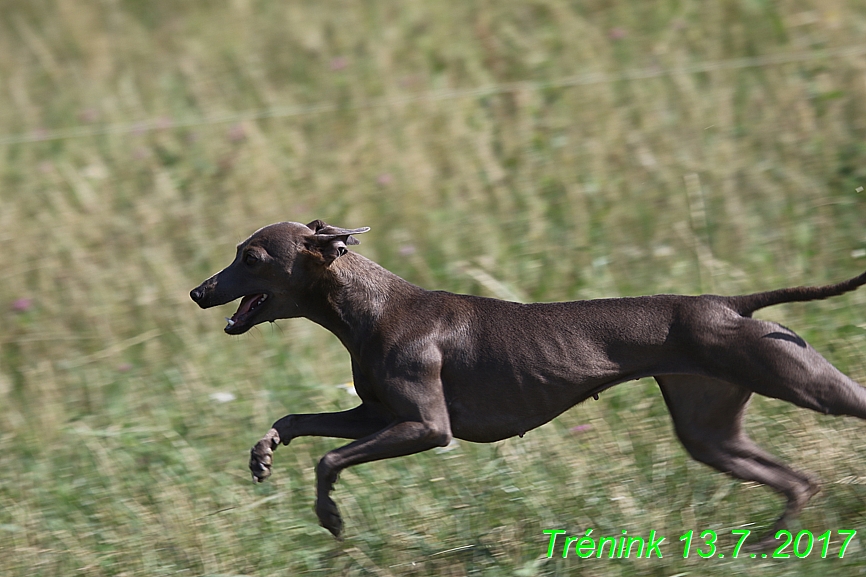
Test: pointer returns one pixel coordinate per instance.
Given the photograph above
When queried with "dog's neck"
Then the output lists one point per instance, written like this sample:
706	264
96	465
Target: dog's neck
352	294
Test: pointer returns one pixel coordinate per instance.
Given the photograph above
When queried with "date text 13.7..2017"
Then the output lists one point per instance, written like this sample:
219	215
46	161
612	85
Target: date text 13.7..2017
624	546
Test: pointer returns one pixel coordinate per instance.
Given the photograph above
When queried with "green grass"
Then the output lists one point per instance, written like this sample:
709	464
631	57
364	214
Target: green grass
116	459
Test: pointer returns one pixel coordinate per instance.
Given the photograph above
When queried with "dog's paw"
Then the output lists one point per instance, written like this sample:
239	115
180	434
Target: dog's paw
261	457
329	516
766	542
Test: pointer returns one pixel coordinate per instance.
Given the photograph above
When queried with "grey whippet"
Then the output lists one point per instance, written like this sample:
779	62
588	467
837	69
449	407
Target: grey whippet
429	365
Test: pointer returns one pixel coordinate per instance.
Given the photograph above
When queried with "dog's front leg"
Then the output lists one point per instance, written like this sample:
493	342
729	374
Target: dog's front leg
396	440
355	423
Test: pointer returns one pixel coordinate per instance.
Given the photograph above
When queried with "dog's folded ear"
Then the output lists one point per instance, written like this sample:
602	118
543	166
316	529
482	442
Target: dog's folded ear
330	241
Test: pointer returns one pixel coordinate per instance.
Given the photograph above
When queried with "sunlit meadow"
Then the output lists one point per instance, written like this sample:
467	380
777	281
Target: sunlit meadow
537	150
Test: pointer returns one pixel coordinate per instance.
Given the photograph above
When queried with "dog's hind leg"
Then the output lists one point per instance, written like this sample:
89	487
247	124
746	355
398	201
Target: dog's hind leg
707	415
771	360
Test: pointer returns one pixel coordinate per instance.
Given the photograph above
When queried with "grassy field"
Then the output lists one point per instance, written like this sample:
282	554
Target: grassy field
538	150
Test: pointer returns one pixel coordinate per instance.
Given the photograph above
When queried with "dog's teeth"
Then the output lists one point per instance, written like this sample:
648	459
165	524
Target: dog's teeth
229	321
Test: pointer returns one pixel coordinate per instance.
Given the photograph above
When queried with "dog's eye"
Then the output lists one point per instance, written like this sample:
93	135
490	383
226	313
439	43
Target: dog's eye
250	258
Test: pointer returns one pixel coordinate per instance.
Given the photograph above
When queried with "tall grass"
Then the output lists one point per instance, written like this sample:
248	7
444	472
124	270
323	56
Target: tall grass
117	456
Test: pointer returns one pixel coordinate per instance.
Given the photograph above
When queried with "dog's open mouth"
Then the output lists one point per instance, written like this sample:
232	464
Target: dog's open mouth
239	322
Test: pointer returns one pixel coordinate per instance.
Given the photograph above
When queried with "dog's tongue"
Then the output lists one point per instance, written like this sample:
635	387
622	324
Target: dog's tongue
245	306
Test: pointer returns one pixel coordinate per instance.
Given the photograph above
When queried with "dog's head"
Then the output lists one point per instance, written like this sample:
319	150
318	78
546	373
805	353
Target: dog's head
271	268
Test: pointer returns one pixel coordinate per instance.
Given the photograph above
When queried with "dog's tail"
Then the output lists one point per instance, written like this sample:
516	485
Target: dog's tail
747	304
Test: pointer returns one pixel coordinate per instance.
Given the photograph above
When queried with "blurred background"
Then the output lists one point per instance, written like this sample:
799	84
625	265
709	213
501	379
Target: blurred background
539	150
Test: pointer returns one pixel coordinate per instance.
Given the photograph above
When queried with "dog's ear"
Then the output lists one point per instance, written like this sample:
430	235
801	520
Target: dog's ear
330	241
